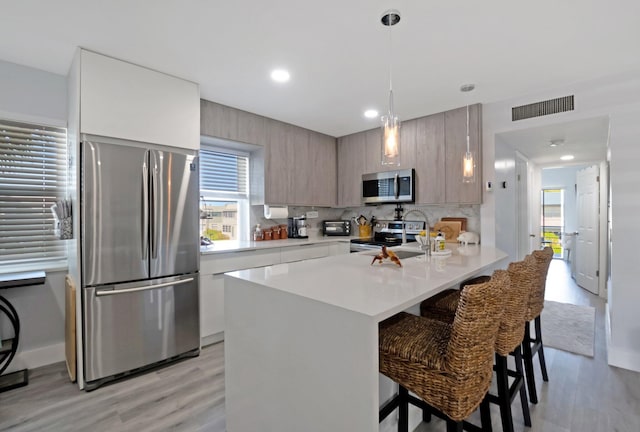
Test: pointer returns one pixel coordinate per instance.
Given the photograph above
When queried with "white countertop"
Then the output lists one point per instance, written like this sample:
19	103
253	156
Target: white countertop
380	291
237	246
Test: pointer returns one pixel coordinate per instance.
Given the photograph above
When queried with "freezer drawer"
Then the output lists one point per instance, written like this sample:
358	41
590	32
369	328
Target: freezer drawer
128	326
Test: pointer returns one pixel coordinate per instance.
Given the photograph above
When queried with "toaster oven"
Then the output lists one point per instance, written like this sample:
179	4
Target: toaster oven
336	228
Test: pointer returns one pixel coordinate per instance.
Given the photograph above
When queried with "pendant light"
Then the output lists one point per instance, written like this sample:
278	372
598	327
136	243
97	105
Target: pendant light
468	161
390	123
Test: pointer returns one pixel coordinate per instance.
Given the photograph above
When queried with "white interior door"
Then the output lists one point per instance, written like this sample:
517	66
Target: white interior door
522	202
588	222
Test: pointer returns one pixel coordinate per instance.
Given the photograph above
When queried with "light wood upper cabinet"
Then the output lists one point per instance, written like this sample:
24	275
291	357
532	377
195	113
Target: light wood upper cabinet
278	163
434	145
322	189
430	159
122	100
408	141
455	122
298	165
351	166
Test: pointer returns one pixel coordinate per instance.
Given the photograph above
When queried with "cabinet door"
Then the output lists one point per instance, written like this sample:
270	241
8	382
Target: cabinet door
211	304
455	147
430	163
250	128
301	180
408	135
321	168
351	166
278	163
123	100
373	144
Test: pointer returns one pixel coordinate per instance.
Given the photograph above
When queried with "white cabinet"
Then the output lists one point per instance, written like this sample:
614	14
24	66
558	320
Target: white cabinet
213	267
339	248
211	307
123	100
309	251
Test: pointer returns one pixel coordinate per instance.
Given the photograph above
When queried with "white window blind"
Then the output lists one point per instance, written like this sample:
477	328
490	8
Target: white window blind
225	173
33	176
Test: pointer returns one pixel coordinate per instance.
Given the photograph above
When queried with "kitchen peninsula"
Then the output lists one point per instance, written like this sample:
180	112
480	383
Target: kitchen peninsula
301	339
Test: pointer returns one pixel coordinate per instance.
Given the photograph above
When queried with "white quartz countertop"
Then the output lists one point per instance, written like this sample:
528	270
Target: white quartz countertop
380	290
237	246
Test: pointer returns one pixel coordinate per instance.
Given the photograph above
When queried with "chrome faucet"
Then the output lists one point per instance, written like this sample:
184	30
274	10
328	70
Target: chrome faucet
426	222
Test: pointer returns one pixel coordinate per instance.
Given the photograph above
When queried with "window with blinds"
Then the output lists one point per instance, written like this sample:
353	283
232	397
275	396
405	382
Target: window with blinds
225	173
33	176
224	194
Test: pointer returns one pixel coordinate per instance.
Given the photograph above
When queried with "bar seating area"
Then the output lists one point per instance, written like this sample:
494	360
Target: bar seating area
406	339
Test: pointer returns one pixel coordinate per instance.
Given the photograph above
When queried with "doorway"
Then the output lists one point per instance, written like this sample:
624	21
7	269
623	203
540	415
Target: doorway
552	220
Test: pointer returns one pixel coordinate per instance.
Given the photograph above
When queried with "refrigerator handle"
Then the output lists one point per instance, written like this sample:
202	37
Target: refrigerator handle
108	292
145	210
154	211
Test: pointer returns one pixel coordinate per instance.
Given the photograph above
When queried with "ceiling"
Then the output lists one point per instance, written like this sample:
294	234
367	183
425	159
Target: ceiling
585	139
337	51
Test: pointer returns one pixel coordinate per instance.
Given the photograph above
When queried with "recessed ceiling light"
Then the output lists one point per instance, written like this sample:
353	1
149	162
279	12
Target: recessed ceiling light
567	157
371	113
556	142
280	75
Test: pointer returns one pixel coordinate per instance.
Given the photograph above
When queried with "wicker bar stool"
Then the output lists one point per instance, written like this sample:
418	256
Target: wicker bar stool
510	335
532	345
448	366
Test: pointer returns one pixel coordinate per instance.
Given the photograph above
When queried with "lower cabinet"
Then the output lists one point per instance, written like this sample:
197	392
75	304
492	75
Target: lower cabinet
213	267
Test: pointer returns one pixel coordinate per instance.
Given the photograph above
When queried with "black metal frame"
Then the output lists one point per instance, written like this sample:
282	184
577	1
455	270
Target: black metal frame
403	399
530	347
7	382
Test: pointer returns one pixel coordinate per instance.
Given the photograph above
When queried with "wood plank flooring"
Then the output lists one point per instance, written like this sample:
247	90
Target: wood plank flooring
583	394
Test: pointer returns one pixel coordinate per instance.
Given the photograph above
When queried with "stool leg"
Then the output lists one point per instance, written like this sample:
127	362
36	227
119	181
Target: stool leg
543	364
528	364
453	426
485	415
523	390
403	410
503	393
426	415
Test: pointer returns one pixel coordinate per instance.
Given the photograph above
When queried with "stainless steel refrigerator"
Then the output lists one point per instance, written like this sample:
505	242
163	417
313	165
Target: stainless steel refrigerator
139	256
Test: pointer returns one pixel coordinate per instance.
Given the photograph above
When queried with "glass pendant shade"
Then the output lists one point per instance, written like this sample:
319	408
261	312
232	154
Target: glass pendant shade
468	168
390	140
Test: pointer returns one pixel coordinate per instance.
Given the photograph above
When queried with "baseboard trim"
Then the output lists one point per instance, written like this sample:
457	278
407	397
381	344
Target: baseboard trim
211	339
37	357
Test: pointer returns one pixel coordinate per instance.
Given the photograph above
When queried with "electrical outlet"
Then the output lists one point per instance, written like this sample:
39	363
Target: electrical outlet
312	214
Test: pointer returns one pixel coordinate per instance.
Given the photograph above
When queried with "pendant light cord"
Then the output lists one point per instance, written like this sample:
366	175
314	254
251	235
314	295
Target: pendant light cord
391	110
467	126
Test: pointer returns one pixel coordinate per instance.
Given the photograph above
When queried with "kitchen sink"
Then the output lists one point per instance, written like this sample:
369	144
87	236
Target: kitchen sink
402	254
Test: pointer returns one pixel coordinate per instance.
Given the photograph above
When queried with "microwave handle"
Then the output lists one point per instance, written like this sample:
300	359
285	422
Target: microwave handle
396	185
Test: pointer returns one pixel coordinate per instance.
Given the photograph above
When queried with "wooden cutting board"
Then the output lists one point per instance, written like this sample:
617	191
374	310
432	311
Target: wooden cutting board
450	230
463	221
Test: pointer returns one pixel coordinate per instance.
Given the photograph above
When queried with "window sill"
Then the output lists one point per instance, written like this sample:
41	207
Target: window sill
47	266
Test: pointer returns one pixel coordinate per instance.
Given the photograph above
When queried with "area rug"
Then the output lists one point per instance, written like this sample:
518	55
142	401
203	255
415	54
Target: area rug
568	327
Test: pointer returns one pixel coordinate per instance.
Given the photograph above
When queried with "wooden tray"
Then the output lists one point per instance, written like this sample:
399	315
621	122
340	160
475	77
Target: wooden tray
450	230
462	220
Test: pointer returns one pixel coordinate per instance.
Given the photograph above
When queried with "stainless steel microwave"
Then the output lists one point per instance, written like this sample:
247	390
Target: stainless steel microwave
389	187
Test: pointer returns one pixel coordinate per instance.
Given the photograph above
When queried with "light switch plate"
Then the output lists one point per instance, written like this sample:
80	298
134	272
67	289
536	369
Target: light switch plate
312	214
489	186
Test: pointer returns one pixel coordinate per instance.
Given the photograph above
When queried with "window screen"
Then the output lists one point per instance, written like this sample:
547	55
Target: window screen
33	176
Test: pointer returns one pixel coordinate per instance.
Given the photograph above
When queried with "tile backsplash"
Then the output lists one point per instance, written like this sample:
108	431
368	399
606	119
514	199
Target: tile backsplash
381	212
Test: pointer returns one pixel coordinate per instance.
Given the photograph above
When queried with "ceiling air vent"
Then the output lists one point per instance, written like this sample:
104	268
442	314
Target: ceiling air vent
538	109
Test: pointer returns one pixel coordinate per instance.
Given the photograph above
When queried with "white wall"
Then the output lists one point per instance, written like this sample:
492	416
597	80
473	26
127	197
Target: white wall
32	95
619	99
504	193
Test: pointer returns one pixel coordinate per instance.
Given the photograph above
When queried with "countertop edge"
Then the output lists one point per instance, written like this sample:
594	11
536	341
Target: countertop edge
241	246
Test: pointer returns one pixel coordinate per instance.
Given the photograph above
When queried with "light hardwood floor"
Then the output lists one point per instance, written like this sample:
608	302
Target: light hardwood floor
583	394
